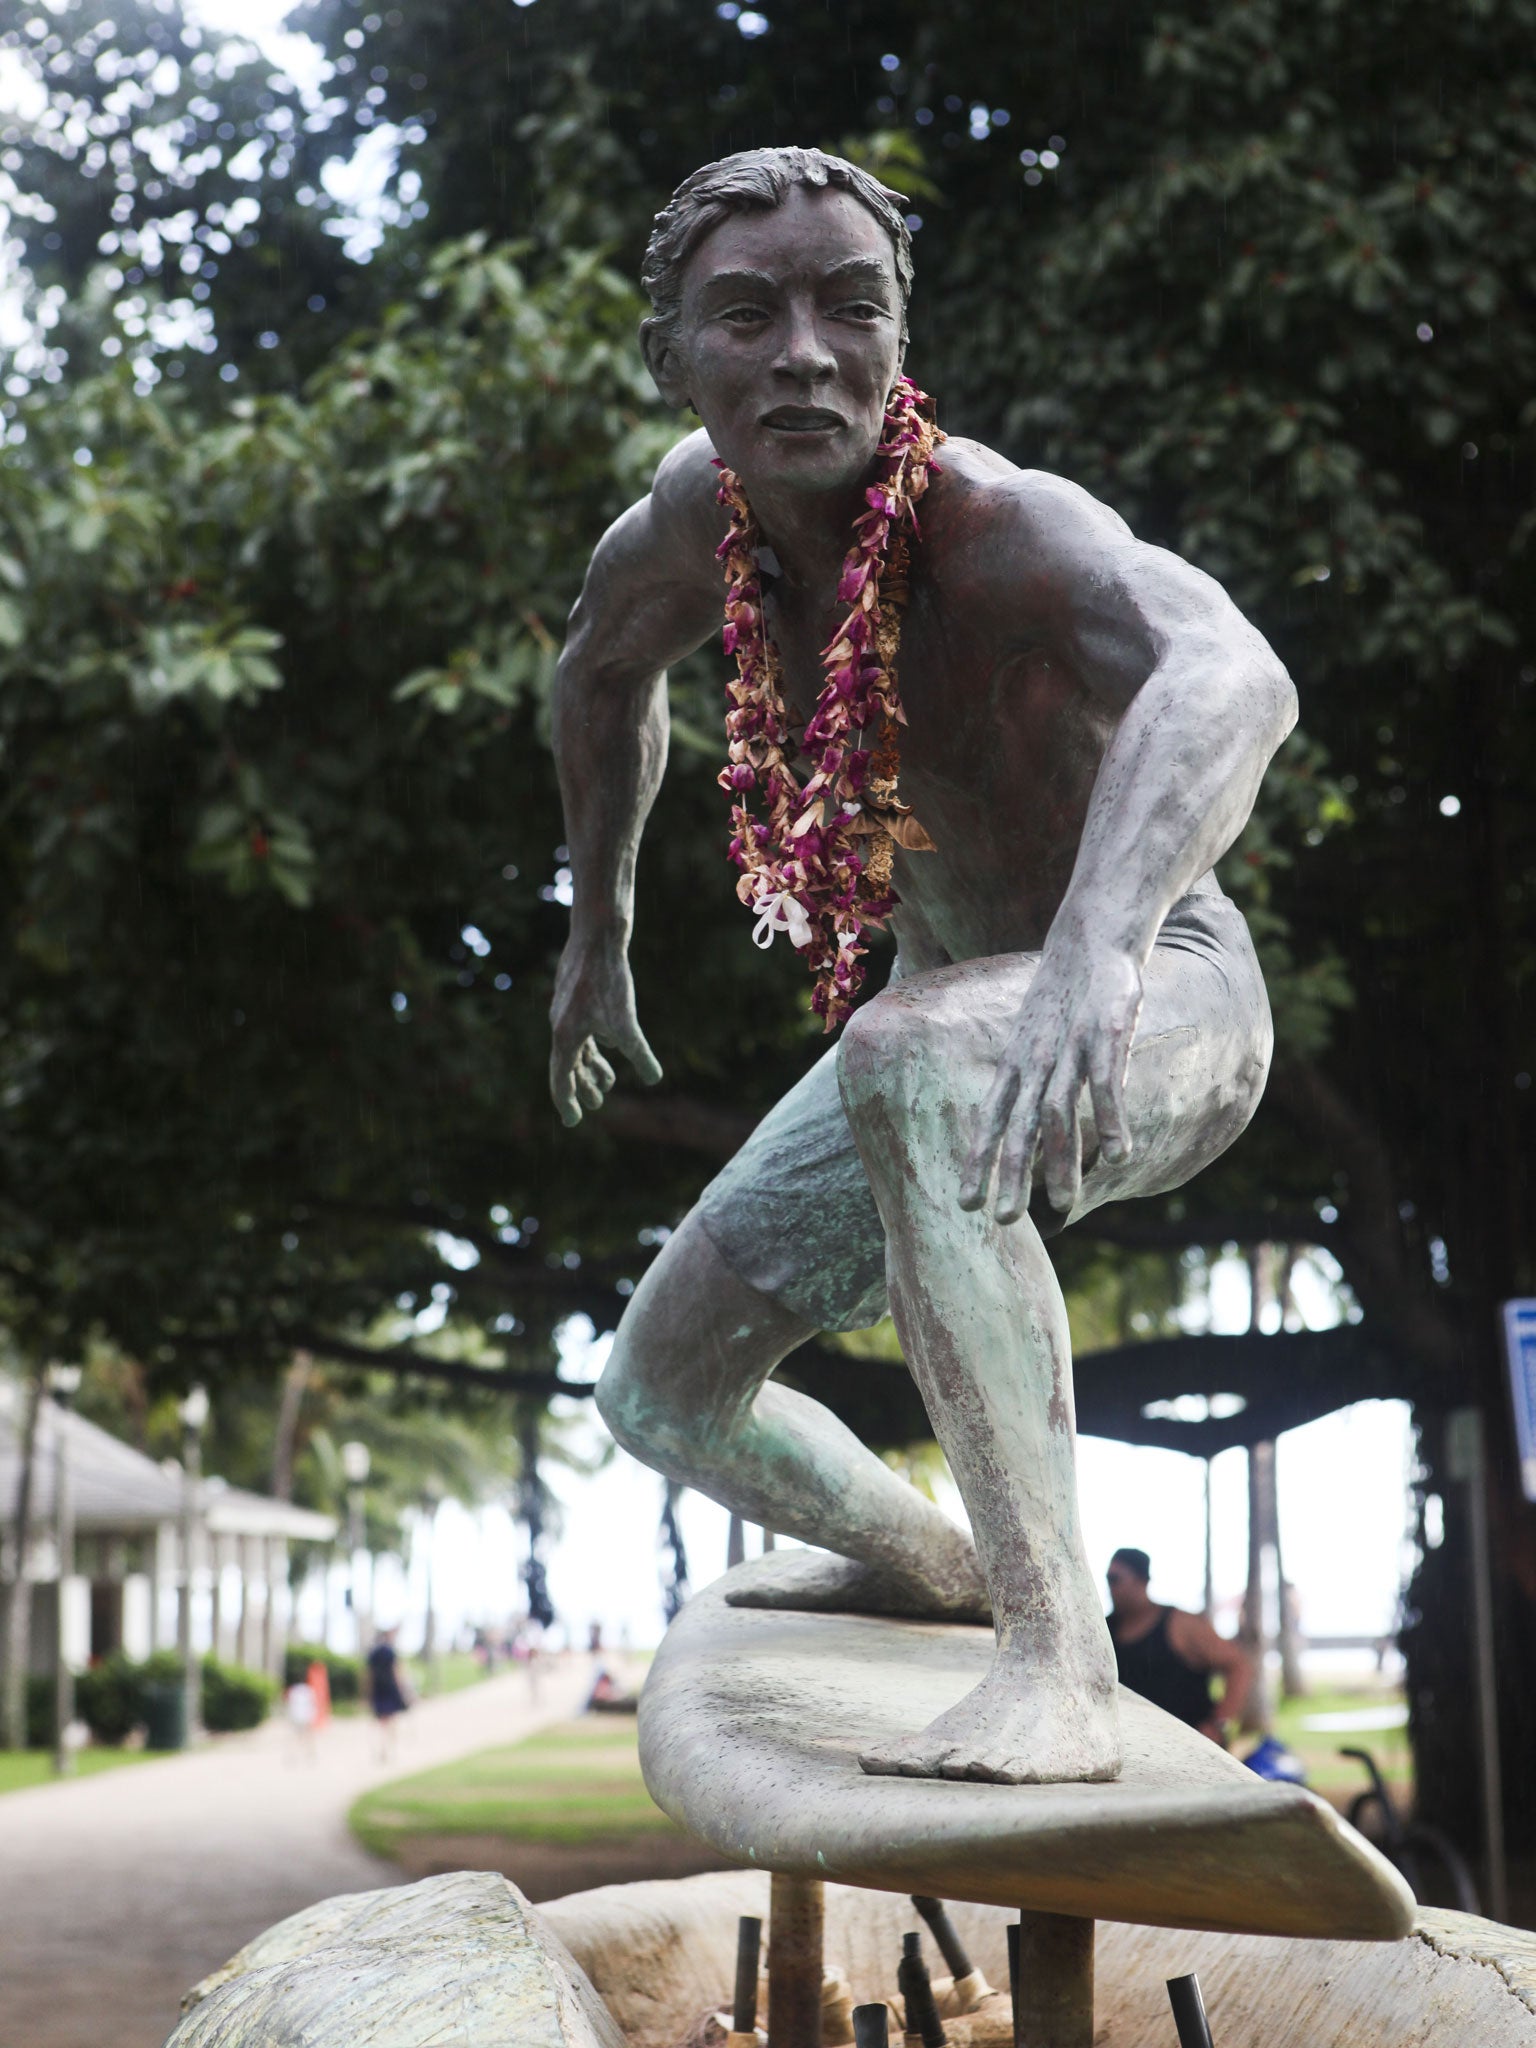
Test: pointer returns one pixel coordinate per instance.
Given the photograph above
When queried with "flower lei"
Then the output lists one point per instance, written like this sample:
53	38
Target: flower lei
819	866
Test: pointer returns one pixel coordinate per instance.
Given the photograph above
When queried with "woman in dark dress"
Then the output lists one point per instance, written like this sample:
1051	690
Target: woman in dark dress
387	1695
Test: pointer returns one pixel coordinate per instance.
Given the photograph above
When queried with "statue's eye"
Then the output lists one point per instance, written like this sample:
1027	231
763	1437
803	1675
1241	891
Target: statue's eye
744	316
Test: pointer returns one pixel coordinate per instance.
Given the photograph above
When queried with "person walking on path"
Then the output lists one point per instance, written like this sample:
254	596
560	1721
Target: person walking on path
1168	1656
387	1696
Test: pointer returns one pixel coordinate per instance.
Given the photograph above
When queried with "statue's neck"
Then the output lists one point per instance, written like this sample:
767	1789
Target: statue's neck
808	532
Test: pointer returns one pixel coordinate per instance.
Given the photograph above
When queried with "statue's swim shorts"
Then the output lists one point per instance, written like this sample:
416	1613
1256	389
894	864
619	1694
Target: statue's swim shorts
793	1213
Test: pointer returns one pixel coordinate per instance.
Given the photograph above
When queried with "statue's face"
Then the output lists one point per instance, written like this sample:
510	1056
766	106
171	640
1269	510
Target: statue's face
790	340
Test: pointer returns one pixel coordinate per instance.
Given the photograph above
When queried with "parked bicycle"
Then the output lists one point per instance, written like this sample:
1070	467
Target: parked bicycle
1419	1851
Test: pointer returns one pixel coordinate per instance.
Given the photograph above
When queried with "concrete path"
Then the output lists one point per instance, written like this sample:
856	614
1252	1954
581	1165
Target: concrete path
118	1892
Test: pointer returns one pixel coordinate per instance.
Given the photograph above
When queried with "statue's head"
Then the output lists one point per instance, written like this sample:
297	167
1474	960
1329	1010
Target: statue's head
778	282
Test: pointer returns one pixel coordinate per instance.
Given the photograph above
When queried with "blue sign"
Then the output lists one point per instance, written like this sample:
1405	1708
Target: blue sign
1520	1351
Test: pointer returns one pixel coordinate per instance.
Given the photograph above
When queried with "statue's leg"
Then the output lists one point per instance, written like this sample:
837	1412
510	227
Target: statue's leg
686	1389
984	1330
984	1327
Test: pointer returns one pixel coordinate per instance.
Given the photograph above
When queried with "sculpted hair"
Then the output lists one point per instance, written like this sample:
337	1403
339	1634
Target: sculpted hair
756	179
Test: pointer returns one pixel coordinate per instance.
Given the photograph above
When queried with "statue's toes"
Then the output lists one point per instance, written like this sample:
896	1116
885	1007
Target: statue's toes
910	1756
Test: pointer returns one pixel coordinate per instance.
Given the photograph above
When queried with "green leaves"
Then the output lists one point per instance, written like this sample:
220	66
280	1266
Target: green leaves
229	662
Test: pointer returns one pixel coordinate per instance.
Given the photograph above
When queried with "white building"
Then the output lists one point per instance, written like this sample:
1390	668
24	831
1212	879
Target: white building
130	1573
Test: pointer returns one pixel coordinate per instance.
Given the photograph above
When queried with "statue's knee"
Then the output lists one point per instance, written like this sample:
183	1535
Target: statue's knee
622	1403
642	1415
889	1056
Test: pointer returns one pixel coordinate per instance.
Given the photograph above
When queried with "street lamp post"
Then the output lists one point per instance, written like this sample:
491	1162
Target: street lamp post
194	1417
63	1384
431	1501
355	1465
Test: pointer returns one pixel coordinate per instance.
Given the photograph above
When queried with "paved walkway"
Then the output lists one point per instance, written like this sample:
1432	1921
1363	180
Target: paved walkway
120	1891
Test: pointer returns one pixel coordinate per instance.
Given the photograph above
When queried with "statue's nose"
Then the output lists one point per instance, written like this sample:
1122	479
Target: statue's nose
805	356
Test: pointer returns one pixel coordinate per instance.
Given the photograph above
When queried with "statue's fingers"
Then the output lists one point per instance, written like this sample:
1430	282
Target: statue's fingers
1061	1142
1106	1087
596	1067
991	1124
1016	1168
588	1087
640	1056
562	1082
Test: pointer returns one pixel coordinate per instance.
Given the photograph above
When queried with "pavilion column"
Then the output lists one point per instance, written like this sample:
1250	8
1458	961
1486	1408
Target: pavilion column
248	1552
159	1575
273	1629
217	1559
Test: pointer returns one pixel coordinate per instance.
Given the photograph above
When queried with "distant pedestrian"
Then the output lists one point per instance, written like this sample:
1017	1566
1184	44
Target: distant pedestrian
318	1679
1169	1656
303	1713
387	1694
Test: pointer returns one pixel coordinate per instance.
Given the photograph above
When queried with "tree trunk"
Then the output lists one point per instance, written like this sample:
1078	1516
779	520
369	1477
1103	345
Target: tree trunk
18	1630
296	1383
1254	1633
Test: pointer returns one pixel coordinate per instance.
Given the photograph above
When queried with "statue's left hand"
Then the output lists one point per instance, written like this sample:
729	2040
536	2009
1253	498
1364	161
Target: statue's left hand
1075	1026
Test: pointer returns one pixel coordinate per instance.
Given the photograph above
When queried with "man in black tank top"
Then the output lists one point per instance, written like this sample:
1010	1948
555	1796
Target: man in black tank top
1168	1656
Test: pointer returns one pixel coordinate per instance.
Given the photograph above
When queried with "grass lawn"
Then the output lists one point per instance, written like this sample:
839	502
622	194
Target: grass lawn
1329	1773
455	1670
20	1768
572	1784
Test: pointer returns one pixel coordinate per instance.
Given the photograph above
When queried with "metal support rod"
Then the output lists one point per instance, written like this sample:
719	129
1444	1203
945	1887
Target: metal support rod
749	1946
945	1934
796	1919
871	2026
1054	2004
916	1988
1189	2012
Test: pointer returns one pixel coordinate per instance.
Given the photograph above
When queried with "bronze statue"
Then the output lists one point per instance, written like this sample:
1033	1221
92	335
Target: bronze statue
1027	760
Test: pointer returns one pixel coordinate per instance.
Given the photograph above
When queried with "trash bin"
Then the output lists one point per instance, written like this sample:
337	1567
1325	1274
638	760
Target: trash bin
165	1716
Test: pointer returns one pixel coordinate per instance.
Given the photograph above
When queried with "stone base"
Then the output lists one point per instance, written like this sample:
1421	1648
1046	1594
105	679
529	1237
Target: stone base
659	1955
464	1962
461	1962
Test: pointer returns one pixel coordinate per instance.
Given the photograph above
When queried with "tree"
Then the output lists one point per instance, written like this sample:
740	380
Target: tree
1259	277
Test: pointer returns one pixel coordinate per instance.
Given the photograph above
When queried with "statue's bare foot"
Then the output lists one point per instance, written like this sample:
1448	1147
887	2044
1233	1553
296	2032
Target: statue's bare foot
813	1583
1023	1725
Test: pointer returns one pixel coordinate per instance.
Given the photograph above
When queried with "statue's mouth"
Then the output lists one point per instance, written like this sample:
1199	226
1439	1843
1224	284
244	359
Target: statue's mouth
802	419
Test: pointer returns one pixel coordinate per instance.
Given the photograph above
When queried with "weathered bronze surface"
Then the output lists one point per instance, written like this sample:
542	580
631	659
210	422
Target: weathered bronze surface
1077	1015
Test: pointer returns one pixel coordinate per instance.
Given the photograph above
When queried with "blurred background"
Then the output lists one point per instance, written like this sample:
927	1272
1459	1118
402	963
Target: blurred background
319	383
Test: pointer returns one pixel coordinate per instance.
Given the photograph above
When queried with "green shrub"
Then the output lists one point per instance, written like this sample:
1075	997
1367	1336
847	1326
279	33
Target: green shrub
109	1697
344	1673
233	1697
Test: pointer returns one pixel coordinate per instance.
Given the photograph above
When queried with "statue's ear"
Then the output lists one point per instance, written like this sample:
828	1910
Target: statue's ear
666	363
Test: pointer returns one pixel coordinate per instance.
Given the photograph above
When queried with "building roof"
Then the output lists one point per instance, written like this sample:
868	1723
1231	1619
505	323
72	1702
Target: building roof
116	1490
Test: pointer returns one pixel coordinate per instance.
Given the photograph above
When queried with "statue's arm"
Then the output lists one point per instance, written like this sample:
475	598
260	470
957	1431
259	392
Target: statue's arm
1201	703
652	594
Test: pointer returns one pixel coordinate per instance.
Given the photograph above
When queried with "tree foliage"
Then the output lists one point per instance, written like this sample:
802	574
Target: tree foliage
275	665
281	834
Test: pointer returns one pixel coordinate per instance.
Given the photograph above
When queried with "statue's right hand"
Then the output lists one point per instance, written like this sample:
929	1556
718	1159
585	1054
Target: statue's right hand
594	1006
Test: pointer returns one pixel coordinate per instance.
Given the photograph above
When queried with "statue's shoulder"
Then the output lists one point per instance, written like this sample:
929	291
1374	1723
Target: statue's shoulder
984	490
685	492
984	513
